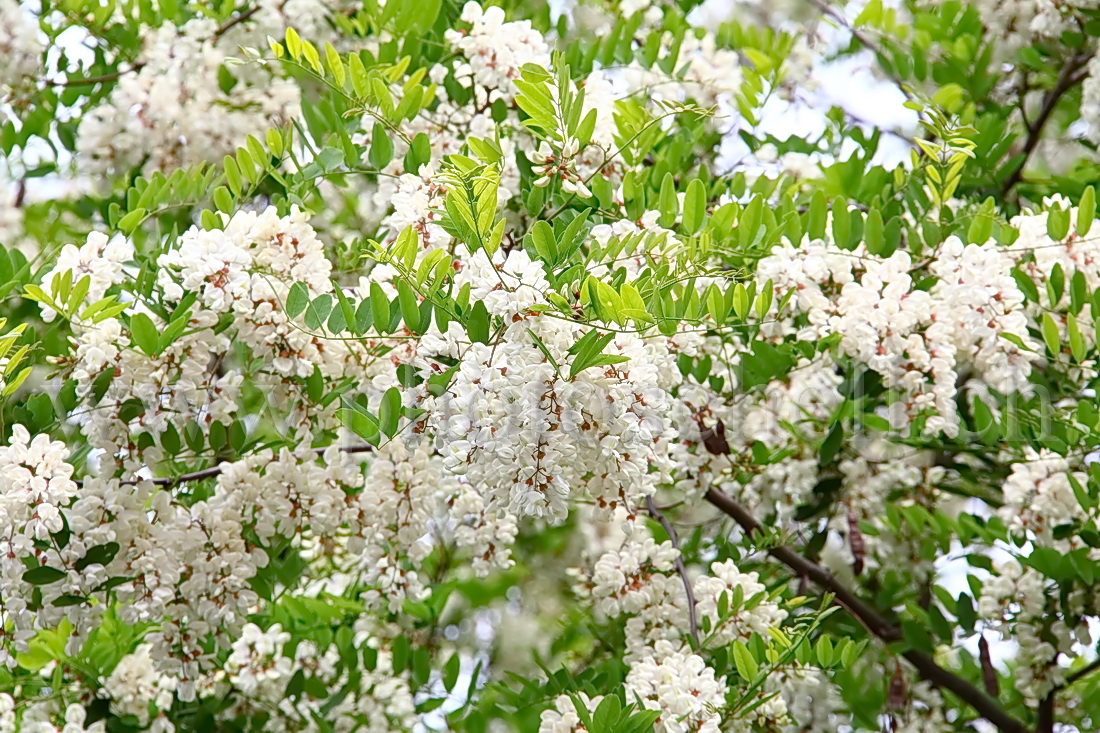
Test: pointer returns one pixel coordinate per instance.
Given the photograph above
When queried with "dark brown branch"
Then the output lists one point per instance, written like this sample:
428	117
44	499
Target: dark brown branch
1071	75
1046	714
693	621
114	75
1080	674
216	470
872	619
87	81
237	19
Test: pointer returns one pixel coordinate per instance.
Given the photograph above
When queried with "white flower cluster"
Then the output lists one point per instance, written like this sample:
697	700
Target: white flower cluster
100	258
46	717
35	486
244	271
917	340
813	702
1090	100
528	436
638	580
416	203
711	75
804	399
1014	601
495	51
20	48
135	684
877	471
563	718
755	615
1017	23
186	566
621	581
257	665
682	687
1039	497
171	113
400	501
261	665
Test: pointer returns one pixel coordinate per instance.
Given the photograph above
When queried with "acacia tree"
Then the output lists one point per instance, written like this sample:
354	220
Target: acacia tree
394	366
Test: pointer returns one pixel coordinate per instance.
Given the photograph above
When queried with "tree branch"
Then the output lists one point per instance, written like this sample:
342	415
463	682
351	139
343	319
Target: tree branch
216	470
1071	75
240	17
692	619
872	619
1046	714
1080	674
859	35
87	81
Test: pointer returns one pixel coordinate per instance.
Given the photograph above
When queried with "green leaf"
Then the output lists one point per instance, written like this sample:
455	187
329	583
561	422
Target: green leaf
873	234
669	202
359	422
410	308
1076	340
380	308
1050	335
542	237
842	225
145	333
1086	211
747	668
420	152
695	206
318	311
43	575
1026	285
1056	284
381	147
98	555
1058	223
297	299
129	222
389	413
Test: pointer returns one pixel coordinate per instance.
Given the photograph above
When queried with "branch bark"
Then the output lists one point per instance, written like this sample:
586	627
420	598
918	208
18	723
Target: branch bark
693	620
1071	75
860	36
873	620
1080	674
1046	714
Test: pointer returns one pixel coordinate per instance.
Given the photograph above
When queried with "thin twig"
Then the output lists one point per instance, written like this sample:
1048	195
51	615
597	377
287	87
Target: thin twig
1080	674
1071	75
87	81
138	65
872	619
216	470
693	621
863	39
240	17
1046	713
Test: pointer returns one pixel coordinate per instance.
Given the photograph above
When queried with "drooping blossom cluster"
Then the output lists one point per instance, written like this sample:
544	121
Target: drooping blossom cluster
1014	601
495	50
918	341
517	441
20	48
172	112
